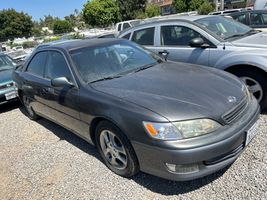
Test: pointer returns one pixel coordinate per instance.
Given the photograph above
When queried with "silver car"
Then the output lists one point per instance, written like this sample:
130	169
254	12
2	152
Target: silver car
213	41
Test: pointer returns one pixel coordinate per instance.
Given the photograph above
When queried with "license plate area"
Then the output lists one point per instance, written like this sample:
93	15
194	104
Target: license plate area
252	132
11	95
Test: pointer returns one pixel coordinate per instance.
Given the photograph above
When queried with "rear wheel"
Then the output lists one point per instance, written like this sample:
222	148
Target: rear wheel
257	85
116	150
30	112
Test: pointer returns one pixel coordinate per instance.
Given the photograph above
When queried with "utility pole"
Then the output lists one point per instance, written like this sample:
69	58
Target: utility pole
222	4
216	5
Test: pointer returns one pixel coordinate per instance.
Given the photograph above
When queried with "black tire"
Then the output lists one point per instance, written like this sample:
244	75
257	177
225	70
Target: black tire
30	112
261	78
132	166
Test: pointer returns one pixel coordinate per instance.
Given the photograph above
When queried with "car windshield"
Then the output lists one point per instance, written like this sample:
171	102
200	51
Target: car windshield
224	28
111	61
6	62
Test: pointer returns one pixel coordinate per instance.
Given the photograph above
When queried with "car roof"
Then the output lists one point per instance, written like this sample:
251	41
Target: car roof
247	11
170	18
77	44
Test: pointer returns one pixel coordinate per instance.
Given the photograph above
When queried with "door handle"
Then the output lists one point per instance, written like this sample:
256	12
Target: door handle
48	90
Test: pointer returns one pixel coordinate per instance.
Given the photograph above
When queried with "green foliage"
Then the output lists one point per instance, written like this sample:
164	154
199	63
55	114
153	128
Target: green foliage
62	26
75	36
14	24
101	12
180	6
36	32
129	9
205	8
48	21
140	15
152	10
52	39
29	44
195	4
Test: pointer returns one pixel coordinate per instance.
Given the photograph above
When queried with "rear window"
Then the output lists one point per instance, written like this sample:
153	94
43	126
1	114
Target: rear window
144	36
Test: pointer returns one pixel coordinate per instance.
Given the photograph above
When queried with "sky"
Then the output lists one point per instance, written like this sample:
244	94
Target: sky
38	8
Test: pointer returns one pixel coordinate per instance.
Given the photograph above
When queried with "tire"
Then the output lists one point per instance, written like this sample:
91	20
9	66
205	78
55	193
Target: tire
252	78
118	154
30	112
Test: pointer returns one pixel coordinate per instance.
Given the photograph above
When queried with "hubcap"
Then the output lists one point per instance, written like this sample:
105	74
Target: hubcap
113	150
254	87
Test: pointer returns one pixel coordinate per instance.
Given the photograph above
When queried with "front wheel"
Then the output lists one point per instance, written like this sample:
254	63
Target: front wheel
116	150
30	112
257	85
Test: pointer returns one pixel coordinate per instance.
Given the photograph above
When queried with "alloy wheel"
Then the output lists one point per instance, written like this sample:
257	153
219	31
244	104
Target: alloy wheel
113	150
254	87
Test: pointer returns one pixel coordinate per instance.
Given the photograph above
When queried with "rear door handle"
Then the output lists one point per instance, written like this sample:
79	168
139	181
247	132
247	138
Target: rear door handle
164	53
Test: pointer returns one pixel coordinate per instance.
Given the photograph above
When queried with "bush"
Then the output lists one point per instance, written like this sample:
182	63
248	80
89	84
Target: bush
29	44
205	8
52	39
62	26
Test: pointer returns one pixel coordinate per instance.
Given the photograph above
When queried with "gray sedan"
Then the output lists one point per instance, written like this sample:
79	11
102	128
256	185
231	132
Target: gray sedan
167	119
212	41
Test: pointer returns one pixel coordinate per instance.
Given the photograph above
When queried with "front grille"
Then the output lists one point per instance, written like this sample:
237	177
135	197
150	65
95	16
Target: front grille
226	156
7	85
236	112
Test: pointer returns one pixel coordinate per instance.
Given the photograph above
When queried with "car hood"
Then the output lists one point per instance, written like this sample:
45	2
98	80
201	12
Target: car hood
177	91
5	76
258	40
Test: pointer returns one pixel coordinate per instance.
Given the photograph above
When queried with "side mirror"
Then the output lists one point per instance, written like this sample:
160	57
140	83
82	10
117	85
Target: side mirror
198	42
60	82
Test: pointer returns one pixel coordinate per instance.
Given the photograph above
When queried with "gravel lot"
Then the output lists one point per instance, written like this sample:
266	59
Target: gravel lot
41	160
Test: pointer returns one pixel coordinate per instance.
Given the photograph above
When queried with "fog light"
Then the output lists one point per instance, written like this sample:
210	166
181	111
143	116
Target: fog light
183	169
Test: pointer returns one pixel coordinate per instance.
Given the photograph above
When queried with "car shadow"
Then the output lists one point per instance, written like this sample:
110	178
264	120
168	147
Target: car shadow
9	106
152	183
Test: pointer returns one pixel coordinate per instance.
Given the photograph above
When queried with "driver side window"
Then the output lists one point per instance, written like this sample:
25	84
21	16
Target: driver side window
56	66
177	35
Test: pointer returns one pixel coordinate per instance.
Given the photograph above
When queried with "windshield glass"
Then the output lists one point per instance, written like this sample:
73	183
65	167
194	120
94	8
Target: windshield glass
6	62
223	27
121	58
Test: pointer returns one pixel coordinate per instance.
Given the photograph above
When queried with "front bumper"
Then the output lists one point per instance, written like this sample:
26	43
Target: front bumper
8	94
209	157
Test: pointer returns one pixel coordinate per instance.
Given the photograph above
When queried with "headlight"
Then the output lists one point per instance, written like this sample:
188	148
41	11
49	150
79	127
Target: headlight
198	127
181	130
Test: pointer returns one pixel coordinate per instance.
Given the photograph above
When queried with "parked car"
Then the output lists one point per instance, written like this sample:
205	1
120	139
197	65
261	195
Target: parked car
222	12
213	41
126	24
173	120
8	90
256	19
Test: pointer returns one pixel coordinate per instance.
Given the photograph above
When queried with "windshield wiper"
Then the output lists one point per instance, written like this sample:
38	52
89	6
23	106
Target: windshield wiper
250	32
144	67
106	78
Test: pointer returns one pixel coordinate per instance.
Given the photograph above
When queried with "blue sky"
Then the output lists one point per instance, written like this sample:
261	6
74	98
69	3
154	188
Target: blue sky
38	8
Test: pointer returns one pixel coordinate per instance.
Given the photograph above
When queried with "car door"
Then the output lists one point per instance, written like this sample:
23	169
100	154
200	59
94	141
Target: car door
175	41
33	81
62	102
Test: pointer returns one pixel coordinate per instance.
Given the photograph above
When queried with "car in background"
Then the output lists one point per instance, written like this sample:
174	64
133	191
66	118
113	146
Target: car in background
256	19
173	120
222	12
8	90
120	26
213	41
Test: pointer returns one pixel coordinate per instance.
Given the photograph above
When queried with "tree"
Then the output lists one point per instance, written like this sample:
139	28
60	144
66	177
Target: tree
195	4
14	24
152	10
129	9
180	6
101	12
205	8
48	21
62	26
